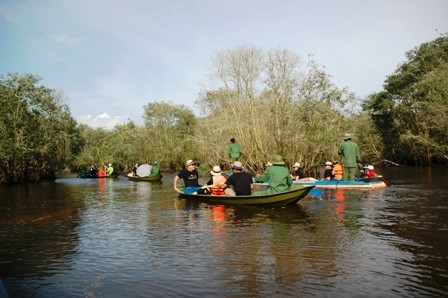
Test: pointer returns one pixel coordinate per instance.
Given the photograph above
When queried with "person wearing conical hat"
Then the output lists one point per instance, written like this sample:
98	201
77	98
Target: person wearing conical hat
278	176
349	152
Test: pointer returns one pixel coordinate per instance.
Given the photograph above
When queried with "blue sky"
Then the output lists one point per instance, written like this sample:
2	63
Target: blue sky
111	57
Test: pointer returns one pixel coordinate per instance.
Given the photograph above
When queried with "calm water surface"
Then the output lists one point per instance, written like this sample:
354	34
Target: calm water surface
118	238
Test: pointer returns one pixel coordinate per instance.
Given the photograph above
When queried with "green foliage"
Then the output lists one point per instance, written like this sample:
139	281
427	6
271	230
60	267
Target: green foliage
272	104
410	113
38	136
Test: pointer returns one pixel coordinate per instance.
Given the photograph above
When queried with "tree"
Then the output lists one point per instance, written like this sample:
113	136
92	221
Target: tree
272	104
168	132
410	112
38	136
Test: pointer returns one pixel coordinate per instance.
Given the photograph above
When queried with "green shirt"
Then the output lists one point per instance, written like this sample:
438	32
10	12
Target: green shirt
279	179
155	171
350	154
234	151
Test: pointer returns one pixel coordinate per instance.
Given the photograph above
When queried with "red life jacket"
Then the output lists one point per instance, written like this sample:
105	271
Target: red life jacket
370	173
216	190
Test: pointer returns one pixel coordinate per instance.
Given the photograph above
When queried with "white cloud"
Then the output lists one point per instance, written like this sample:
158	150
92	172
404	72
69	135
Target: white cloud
64	39
103	120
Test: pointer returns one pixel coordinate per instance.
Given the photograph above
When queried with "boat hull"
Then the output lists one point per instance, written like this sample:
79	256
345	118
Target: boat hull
374	183
292	196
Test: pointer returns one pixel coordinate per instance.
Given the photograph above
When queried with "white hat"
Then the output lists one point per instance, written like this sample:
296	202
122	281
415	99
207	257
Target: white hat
370	167
296	165
110	165
189	162
216	171
328	163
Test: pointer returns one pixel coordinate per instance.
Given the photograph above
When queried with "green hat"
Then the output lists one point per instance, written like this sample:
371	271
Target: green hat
347	136
277	160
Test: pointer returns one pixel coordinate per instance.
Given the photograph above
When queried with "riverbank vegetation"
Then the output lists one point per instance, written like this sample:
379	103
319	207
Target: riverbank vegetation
38	136
271	101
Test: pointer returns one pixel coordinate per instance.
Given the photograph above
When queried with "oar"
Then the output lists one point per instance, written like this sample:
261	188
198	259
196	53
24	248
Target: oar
384	180
207	186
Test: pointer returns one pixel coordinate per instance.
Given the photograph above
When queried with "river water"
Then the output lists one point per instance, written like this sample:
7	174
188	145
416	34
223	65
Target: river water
117	238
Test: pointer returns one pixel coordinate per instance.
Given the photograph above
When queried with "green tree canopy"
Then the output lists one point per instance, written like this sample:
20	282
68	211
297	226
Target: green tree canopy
412	110
38	136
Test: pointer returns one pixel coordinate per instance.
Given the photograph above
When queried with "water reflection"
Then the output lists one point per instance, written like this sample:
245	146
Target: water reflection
38	229
113	238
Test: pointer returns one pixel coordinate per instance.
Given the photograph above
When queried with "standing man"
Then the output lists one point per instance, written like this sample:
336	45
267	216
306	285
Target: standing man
349	152
234	150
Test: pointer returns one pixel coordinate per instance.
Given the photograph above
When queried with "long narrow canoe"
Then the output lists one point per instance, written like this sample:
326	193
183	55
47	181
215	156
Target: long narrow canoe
147	178
367	183
292	196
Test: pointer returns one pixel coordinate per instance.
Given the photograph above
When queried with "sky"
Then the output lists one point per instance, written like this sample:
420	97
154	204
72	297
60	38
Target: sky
111	57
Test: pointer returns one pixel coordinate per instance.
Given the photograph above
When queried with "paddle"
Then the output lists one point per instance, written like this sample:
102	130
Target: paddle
380	177
207	186
211	185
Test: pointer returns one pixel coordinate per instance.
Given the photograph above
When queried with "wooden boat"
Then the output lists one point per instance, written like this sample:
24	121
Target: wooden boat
292	196
147	178
364	183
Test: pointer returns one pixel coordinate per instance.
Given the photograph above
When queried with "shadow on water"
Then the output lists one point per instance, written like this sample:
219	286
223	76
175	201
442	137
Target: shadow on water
92	238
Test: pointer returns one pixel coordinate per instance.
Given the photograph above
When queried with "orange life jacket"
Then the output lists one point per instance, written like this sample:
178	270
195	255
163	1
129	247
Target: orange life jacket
101	172
338	171
216	190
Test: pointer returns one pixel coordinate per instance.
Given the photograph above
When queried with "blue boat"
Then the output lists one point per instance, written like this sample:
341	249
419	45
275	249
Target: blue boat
364	183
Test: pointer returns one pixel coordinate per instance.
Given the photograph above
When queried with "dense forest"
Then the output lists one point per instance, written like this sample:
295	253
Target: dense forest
271	101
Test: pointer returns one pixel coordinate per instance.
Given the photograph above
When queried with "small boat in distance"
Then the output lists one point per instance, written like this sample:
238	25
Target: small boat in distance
289	197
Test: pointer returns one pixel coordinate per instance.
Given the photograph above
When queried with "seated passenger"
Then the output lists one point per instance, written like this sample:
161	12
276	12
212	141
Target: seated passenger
370	173
110	170
338	171
217	182
297	172
278	175
101	172
155	170
328	174
239	183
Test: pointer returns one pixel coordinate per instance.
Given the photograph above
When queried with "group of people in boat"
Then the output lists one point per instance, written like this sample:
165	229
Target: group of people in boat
149	170
280	179
104	171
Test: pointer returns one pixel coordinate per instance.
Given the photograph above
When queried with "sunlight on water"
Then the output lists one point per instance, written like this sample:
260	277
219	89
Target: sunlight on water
116	238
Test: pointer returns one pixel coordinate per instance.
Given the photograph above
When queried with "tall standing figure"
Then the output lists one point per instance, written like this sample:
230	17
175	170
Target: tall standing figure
349	152
234	150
